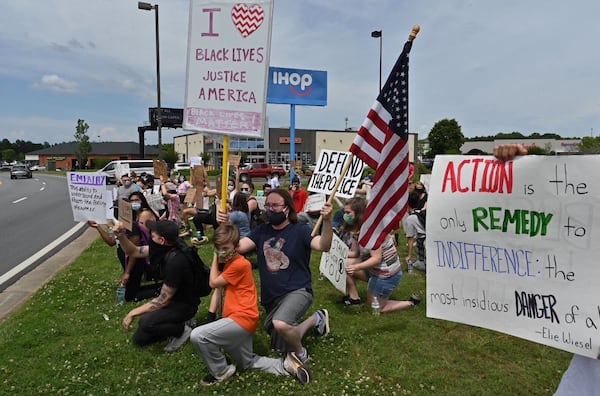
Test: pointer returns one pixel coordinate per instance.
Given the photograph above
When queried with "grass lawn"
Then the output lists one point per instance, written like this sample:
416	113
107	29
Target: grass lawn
60	342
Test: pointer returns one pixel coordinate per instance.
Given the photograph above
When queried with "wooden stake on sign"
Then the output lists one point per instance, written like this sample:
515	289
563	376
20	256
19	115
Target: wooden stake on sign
335	188
224	173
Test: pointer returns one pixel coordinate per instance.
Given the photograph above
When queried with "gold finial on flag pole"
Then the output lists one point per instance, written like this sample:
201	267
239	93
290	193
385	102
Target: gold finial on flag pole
414	32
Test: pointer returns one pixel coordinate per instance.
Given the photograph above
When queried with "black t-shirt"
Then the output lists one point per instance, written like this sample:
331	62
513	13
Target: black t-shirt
180	276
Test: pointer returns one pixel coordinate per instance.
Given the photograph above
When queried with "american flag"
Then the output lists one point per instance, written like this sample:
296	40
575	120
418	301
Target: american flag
382	143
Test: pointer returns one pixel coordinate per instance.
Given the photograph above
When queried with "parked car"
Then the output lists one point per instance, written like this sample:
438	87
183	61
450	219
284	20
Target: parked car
18	171
181	166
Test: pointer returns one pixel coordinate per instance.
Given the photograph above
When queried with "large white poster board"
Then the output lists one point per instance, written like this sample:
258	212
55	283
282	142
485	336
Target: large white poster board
88	196
329	169
227	66
513	247
333	263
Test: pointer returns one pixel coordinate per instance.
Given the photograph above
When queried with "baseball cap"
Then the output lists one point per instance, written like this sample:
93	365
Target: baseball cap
165	228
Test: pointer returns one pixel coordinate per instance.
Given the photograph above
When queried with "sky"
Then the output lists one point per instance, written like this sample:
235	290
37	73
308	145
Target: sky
493	66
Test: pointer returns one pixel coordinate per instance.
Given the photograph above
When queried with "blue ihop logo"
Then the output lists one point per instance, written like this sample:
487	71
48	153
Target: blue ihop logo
297	86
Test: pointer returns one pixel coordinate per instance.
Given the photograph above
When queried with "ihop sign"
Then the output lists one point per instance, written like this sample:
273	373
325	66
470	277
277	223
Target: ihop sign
297	86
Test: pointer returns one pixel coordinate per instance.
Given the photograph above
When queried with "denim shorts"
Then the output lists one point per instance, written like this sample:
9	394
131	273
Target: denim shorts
383	287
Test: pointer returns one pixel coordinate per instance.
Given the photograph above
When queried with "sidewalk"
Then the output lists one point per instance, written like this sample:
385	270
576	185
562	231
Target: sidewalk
19	292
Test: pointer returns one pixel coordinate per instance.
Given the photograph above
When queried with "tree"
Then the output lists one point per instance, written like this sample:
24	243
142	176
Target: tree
9	155
445	138
84	147
590	145
205	158
169	155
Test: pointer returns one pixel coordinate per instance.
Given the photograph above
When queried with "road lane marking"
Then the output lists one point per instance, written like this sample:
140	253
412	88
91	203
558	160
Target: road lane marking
20	199
31	260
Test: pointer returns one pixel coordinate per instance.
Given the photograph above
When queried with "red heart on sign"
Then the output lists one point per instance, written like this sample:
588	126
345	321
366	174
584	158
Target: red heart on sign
247	19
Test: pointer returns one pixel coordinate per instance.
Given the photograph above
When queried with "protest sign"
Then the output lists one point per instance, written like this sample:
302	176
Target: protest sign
155	201
121	169
125	214
195	161
314	203
160	169
190	196
228	65
511	247
329	169
333	263
88	196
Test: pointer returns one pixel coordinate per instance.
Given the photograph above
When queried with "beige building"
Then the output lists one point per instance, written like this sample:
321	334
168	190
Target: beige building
275	147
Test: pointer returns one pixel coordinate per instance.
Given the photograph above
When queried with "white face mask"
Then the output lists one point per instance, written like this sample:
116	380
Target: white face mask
229	188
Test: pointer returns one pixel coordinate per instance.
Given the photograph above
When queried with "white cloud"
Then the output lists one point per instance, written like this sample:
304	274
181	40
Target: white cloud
57	84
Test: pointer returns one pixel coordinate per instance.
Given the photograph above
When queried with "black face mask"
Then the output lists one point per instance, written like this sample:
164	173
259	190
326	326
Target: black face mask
157	254
276	218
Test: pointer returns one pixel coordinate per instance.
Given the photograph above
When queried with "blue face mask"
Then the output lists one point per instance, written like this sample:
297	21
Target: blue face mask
348	218
136	206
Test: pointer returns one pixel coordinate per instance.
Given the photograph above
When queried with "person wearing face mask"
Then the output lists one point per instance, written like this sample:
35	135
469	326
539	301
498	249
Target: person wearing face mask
136	268
233	332
171	313
283	247
380	268
123	192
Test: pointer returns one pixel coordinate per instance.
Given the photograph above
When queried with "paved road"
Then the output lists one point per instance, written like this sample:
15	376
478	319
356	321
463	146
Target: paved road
35	215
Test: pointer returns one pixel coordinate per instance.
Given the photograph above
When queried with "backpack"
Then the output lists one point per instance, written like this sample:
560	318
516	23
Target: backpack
421	215
201	271
257	217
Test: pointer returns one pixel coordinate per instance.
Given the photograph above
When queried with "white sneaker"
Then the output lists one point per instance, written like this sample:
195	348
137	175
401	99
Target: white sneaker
177	342
211	380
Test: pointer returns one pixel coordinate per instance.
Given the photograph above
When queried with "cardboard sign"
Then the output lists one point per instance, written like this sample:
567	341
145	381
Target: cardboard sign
234	160
190	196
121	169
88	196
333	263
511	246
160	169
125	214
328	171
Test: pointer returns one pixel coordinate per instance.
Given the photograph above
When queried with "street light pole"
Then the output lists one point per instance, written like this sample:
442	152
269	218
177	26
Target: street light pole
149	7
379	34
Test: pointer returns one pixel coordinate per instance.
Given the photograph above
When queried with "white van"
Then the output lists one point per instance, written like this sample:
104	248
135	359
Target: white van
137	166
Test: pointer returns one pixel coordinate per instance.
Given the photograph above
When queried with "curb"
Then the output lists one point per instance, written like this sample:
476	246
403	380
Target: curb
20	291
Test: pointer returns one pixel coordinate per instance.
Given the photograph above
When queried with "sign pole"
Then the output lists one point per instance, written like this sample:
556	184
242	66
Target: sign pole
224	173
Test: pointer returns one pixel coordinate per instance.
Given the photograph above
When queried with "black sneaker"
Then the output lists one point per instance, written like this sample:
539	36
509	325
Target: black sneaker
414	299
350	302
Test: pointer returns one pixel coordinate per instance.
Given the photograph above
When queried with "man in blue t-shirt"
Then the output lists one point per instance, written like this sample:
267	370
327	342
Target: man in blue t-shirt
283	248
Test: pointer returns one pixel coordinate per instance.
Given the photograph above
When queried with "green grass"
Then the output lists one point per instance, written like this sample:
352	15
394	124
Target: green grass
60	343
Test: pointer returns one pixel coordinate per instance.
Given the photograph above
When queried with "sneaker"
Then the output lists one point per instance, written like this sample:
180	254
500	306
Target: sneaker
296	367
350	302
415	299
323	327
419	265
177	342
211	379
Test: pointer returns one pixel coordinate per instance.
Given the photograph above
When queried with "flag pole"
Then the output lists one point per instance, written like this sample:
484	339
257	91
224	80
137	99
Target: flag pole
414	32
335	188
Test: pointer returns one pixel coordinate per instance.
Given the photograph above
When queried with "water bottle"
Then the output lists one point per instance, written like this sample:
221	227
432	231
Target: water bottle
375	306
120	294
410	267
199	234
110	232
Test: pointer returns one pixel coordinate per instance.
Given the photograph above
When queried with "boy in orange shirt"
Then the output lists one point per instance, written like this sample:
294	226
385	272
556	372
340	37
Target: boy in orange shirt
233	332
